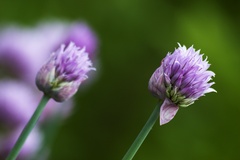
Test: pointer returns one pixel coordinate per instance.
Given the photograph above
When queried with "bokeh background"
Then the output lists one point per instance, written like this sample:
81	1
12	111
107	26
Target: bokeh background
134	35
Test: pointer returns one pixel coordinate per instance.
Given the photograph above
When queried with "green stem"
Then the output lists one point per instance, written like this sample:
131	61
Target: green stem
143	134
50	130
27	129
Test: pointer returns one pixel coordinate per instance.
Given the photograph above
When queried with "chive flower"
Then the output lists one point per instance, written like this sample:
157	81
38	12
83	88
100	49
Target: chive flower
182	78
62	75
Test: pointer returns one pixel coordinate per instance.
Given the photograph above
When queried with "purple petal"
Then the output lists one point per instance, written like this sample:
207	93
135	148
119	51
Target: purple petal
175	67
156	85
167	111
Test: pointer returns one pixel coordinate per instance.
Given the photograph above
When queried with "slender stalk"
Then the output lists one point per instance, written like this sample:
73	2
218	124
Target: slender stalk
143	134
27	129
50	130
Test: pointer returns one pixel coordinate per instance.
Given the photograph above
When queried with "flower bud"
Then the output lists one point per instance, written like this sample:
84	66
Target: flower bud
62	75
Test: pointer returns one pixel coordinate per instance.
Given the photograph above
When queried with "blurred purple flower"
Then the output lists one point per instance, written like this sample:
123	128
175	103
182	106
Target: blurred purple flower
181	79
82	36
29	148
17	103
66	69
27	48
22	53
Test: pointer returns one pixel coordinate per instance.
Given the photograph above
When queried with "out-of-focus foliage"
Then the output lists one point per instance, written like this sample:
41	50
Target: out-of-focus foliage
134	36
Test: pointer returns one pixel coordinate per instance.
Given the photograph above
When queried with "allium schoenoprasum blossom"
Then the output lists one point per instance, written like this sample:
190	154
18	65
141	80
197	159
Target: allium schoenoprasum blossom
28	48
62	75
23	50
182	78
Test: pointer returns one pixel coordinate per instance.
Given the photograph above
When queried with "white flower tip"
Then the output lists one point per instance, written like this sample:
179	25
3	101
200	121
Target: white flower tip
167	111
83	49
71	43
179	44
210	90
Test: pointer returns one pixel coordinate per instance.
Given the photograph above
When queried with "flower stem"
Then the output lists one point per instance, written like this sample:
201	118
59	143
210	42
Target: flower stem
27	129
50	130
143	134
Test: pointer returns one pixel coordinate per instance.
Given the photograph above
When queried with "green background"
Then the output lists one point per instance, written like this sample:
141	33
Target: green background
134	36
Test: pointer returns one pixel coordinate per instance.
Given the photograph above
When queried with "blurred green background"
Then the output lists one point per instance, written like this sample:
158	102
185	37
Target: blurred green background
134	36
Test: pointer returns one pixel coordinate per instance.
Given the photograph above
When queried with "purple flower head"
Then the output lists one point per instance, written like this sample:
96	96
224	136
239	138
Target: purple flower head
66	69
181	79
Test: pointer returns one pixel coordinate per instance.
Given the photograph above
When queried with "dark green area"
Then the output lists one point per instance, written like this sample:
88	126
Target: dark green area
134	36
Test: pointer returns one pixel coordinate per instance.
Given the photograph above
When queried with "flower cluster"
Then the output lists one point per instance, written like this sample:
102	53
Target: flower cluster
22	53
182	78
